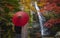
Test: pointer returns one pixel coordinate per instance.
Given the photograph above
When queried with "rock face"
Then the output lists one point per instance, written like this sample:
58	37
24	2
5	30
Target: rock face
48	37
57	35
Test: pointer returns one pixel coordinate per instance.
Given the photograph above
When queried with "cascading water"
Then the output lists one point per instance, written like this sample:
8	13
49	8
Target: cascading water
44	30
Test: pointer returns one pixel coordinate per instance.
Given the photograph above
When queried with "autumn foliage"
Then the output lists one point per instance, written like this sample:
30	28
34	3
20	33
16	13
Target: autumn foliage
52	22
52	5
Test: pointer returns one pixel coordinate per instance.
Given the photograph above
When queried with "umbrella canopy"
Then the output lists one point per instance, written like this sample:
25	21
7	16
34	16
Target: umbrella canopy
20	18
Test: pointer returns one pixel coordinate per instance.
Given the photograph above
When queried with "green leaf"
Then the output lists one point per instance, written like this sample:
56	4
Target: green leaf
13	2
6	10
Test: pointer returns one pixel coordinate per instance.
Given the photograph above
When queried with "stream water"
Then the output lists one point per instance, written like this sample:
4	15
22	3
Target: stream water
44	30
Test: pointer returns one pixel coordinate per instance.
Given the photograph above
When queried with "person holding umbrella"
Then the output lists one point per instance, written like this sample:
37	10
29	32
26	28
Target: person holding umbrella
19	20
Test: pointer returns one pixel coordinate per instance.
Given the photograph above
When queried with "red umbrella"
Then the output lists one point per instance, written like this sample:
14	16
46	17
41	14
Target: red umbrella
20	18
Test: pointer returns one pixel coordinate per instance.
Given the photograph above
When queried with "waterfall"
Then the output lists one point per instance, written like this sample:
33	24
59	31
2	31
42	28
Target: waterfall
41	21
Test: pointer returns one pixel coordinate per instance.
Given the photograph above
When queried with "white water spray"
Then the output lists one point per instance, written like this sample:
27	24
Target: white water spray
41	21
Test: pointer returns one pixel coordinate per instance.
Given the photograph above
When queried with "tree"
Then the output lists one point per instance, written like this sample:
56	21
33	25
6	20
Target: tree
7	9
52	14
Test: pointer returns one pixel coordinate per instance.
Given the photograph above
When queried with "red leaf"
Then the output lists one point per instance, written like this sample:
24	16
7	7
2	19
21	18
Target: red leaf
50	6
50	23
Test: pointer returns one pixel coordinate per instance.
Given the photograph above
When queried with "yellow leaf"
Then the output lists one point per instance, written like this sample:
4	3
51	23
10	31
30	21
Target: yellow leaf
41	4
